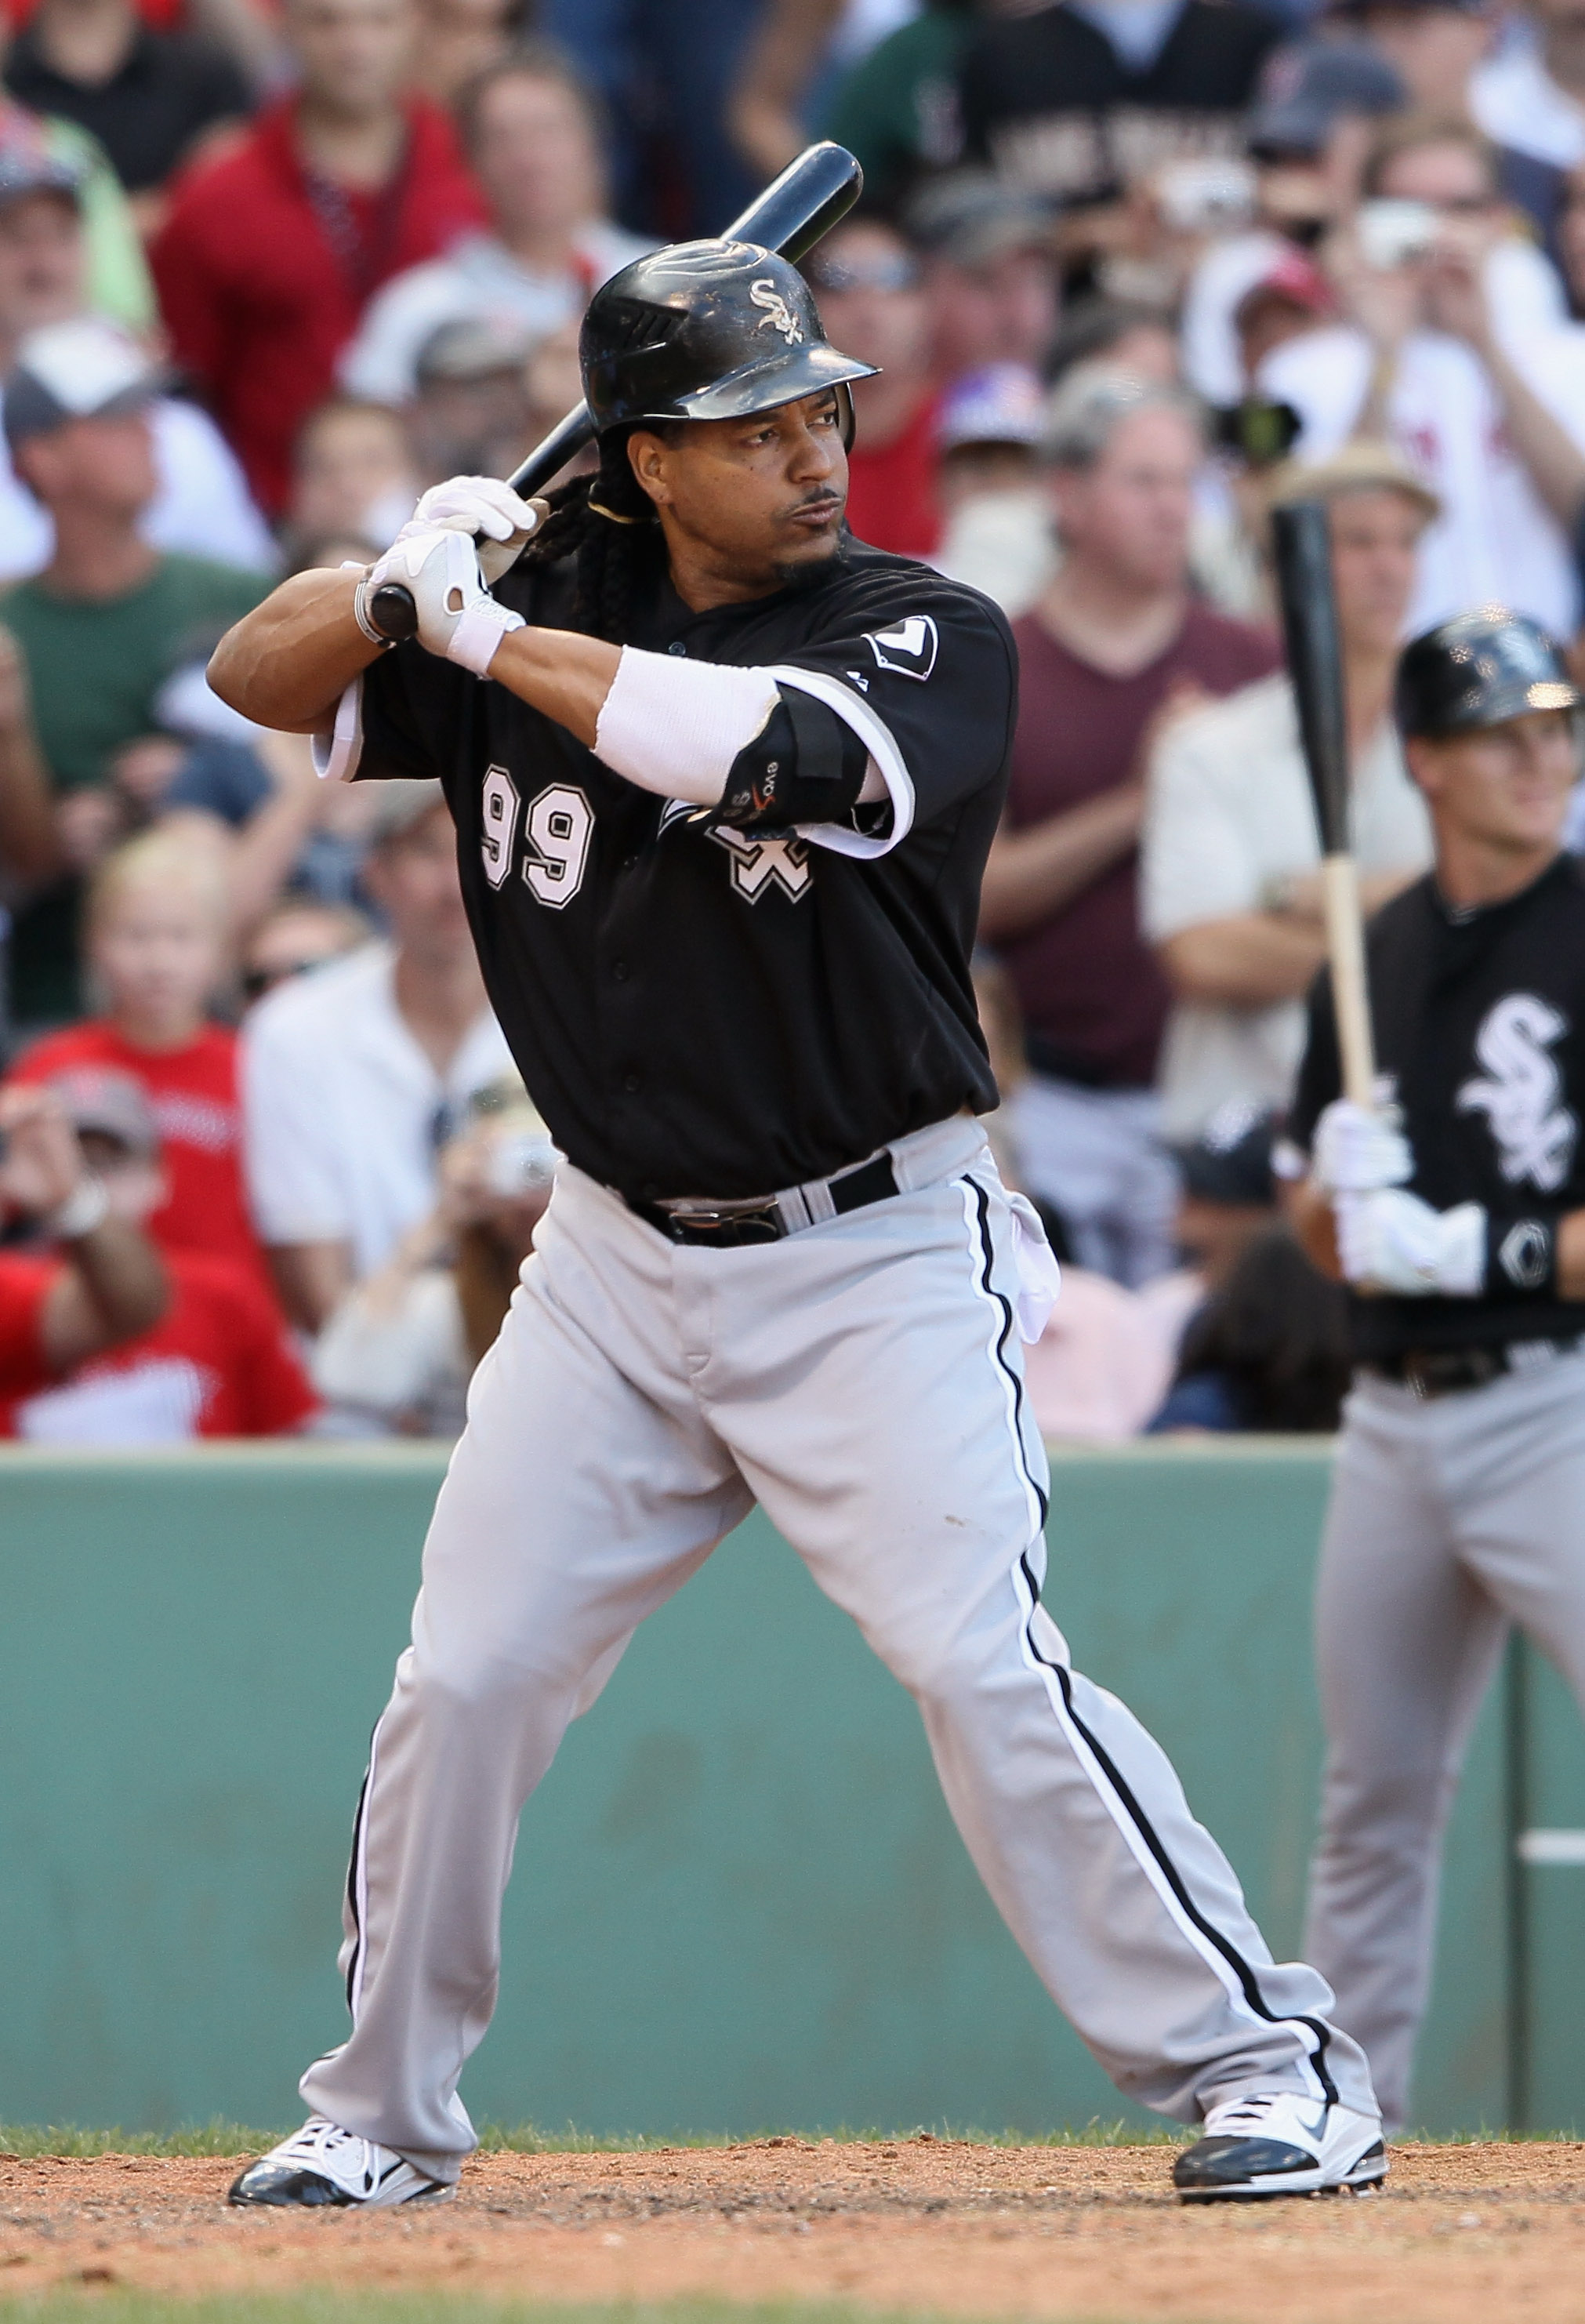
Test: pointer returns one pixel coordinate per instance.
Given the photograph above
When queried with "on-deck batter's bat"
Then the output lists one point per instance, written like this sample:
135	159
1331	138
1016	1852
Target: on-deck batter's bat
790	216
1302	551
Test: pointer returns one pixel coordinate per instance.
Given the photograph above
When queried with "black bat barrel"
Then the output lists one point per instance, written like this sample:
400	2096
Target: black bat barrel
1301	550
814	190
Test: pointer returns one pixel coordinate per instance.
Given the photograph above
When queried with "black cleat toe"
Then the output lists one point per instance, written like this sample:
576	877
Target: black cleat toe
285	2187
1227	2166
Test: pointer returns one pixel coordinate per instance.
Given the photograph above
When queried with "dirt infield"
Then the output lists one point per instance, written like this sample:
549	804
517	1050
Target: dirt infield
1460	2233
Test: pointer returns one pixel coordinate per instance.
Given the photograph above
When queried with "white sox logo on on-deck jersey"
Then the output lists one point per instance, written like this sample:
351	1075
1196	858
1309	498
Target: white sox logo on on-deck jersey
778	316
1521	1092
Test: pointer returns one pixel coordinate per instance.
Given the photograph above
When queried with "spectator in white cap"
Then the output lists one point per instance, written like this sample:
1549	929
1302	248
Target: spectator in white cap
355	1077
108	622
201	502
998	522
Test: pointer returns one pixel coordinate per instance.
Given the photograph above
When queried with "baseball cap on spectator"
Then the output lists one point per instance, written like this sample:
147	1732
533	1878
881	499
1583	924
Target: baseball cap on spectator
1305	89
1004	403
970	217
86	369
27	166
471	348
402	806
1362	467
1292	279
1229	1162
106	1104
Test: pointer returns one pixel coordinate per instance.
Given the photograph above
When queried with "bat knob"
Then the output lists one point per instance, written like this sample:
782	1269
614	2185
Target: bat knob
392	610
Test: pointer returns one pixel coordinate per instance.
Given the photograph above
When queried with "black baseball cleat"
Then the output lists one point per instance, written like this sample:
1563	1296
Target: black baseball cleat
323	2166
1275	2142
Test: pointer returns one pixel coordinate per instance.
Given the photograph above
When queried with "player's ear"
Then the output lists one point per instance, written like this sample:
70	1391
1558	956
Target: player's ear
646	457
1420	756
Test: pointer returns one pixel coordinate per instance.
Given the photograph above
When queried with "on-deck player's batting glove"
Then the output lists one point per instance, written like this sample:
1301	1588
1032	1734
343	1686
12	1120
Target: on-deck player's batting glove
457	616
1358	1148
1391	1241
498	520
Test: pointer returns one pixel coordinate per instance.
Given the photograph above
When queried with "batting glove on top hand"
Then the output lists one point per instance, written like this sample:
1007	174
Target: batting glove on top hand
457	616
1358	1147
490	510
1388	1240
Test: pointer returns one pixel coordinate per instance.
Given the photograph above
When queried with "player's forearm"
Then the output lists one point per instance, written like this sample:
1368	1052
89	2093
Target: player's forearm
560	672
1032	875
288	663
1249	961
1314	1224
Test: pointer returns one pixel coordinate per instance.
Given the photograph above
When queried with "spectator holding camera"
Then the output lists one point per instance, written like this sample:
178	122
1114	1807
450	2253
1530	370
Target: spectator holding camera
101	1284
156	929
1444	352
1116	643
217	1363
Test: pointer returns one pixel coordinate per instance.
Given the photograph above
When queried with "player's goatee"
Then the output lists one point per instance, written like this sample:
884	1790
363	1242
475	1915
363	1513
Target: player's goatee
810	572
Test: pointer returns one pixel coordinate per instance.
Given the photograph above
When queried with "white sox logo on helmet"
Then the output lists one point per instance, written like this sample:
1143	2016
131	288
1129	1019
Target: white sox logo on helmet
778	316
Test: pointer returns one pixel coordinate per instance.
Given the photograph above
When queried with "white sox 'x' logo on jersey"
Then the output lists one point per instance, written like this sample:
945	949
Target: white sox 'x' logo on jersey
778	316
760	864
1522	1090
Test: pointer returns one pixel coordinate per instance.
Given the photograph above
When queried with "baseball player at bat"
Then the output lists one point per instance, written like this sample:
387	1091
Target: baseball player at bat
724	781
1457	1205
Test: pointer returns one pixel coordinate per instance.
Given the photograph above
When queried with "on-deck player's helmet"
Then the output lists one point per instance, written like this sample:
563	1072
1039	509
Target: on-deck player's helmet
1478	669
707	330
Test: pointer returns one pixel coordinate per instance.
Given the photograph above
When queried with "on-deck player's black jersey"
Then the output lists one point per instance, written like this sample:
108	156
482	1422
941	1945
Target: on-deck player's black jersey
699	1009
1480	1019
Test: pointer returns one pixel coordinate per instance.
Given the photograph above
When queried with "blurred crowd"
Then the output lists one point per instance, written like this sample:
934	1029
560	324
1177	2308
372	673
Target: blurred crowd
1134	272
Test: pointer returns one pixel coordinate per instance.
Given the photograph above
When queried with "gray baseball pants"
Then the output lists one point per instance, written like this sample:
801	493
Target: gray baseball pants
862	1381
1449	1520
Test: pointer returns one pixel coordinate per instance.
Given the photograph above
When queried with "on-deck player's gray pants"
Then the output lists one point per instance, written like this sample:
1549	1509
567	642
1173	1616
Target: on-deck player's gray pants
1449	1520
862	1381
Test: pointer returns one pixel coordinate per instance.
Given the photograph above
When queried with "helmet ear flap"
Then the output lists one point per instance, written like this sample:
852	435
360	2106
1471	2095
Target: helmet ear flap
846	413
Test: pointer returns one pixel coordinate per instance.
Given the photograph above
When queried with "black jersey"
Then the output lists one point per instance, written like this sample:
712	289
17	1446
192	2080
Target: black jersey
704	1009
1480	1017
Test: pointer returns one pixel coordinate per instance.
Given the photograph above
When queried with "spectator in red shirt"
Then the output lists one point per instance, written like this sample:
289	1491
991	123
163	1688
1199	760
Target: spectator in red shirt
271	254
105	1281
866	281
1114	643
218	1363
156	942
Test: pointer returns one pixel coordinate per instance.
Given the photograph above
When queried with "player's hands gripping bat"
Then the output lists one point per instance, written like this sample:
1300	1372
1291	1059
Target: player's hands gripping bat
1303	552
811	193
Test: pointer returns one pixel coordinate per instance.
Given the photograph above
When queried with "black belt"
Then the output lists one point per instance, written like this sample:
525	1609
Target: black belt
726	1226
1449	1372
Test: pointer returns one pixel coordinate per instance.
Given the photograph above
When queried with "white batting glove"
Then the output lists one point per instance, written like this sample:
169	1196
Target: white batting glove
457	616
1358	1147
486	508
1391	1241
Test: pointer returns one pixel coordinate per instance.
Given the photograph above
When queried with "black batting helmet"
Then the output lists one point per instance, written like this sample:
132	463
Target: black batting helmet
706	330
1479	669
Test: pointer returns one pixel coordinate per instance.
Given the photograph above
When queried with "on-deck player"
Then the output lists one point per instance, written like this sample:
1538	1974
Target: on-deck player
722	812
1458	1492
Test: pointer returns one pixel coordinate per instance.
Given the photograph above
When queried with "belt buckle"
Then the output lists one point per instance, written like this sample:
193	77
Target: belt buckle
745	1223
1417	1380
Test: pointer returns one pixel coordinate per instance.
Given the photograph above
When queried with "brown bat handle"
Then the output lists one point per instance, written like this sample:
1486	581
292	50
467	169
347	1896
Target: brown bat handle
1345	945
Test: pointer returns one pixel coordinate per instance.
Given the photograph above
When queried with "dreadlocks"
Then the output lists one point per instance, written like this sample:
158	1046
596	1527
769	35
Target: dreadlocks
607	522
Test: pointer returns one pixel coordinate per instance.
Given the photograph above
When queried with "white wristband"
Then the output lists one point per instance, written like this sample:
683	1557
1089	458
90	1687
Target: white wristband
478	634
85	1208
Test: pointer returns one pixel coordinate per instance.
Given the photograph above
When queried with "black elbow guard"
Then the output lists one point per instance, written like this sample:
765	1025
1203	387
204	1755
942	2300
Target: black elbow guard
805	765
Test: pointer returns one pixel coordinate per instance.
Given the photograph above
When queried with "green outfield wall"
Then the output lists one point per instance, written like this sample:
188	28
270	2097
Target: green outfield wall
738	1902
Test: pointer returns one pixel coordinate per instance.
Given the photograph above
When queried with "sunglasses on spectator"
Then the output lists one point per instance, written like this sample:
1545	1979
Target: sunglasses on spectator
878	274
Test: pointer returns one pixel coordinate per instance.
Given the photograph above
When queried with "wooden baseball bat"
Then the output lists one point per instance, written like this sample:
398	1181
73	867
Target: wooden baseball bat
1303	555
811	193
